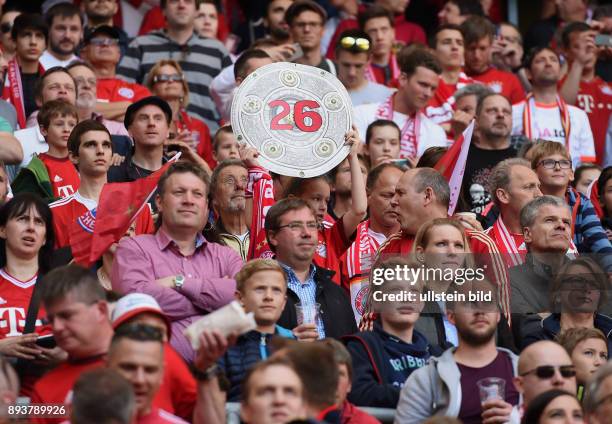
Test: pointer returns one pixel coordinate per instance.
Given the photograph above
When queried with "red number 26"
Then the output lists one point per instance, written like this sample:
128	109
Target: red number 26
300	115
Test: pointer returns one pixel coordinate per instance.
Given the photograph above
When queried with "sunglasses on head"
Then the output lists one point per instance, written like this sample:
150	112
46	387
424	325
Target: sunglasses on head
546	372
6	27
167	78
362	44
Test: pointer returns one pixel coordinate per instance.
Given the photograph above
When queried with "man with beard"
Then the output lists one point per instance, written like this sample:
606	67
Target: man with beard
447	385
100	13
65	32
489	146
545	115
274	21
228	188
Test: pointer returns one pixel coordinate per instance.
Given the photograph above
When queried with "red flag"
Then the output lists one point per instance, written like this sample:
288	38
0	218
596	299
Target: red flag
117	208
452	164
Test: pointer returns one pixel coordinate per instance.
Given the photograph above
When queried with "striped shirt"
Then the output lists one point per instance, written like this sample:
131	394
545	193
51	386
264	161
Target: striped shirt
305	291
201	59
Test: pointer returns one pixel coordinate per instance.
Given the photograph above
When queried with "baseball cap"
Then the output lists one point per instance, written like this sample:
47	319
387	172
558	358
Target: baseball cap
102	29
151	100
136	303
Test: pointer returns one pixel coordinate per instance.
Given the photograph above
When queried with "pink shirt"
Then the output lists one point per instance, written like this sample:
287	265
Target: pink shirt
141	260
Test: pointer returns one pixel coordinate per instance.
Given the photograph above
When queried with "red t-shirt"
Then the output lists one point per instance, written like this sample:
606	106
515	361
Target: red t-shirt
117	90
15	298
159	416
204	148
441	106
177	393
595	98
66	211
502	82
62	174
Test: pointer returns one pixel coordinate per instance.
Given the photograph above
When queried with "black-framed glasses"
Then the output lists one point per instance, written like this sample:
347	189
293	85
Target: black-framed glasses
6	27
552	164
101	41
362	44
298	226
546	372
167	78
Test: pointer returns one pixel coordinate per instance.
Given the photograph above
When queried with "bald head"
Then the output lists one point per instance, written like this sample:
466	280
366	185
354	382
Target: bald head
534	369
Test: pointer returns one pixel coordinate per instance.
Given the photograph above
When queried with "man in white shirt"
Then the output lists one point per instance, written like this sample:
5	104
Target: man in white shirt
418	81
545	115
352	54
65	33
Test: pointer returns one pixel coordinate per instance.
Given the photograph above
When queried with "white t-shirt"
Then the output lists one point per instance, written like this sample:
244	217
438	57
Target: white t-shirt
430	134
47	60
546	124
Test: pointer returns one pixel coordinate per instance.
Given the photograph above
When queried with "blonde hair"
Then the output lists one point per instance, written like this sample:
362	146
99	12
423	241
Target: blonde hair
156	69
544	148
254	266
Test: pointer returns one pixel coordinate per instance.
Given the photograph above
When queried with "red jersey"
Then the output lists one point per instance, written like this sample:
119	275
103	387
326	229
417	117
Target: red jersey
194	125
485	252
502	82
66	211
595	98
118	90
331	246
15	298
177	393
63	175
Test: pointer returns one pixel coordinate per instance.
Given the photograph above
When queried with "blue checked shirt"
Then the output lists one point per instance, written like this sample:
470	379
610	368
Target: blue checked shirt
305	291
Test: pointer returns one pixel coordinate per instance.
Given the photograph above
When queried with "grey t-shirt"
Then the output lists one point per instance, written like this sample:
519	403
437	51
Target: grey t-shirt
7	111
371	93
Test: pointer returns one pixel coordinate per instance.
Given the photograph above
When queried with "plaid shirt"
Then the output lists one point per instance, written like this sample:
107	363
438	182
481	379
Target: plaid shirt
306	292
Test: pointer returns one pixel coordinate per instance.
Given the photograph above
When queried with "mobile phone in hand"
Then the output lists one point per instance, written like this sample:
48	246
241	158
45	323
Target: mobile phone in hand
603	40
48	341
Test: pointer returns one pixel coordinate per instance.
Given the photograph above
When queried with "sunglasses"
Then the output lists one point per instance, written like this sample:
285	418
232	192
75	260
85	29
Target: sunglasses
99	42
6	27
546	372
361	44
167	78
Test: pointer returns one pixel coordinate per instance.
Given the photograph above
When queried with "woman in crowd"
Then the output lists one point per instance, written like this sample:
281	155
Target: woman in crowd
26	246
604	189
577	295
554	406
588	348
166	80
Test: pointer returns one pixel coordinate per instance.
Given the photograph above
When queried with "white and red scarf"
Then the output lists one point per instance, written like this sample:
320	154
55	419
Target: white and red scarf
359	260
513	255
260	186
395	71
13	90
529	119
409	141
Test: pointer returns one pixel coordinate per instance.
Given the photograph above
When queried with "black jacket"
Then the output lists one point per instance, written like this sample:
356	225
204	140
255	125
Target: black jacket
336	311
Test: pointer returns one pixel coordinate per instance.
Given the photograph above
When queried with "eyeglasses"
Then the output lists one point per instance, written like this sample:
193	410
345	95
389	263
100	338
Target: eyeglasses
579	283
298	226
362	44
167	78
552	164
6	27
99	42
546	372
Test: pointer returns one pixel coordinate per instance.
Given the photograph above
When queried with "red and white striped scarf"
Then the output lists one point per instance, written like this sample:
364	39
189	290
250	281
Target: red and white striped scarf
513	255
261	187
395	71
529	119
409	142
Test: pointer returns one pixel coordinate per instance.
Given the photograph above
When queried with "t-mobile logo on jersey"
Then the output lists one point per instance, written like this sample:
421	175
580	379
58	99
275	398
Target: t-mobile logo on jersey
65	191
14	319
586	102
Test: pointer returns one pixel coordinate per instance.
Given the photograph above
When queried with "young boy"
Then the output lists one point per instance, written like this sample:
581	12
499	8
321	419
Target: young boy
261	288
225	145
553	165
91	150
384	357
382	142
52	175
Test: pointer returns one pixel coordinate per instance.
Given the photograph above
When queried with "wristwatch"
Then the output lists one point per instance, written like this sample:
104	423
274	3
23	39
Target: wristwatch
208	374
179	280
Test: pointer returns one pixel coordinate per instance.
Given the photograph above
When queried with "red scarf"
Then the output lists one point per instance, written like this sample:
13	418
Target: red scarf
359	260
395	71
528	121
262	189
13	90
409	142
513	255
